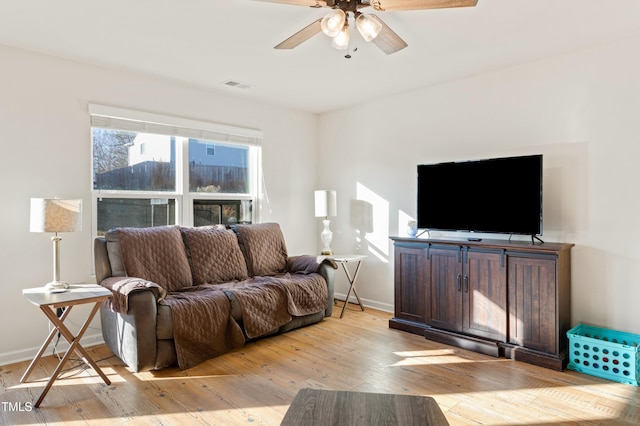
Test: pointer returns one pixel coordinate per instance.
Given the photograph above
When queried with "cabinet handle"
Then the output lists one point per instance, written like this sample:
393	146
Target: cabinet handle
466	284
459	280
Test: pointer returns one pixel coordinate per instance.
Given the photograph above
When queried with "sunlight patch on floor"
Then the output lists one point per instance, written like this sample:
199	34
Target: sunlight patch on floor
182	376
536	405
432	357
79	374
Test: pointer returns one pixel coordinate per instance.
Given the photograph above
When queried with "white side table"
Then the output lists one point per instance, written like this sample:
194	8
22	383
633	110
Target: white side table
344	260
48	302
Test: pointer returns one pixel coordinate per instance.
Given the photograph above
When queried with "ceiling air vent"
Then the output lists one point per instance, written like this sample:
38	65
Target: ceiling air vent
237	84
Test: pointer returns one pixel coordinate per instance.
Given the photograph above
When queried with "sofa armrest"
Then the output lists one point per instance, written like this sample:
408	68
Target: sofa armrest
327	272
123	287
132	335
307	264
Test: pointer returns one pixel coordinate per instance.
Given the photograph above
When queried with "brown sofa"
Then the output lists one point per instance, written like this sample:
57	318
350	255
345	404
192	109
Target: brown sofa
182	295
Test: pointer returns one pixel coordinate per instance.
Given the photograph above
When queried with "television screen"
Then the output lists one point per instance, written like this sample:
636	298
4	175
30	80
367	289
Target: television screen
499	195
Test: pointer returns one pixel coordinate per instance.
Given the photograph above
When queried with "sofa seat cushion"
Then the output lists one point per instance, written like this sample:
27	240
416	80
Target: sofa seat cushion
155	254
164	321
306	294
263	247
263	302
269	302
260	326
214	255
202	324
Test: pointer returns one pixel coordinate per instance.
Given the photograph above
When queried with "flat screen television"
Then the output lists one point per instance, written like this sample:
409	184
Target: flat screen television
498	195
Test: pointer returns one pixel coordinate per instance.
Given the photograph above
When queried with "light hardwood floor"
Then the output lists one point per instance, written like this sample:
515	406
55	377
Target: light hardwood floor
256	384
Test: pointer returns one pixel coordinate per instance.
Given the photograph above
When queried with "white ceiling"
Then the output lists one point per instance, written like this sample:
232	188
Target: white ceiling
205	43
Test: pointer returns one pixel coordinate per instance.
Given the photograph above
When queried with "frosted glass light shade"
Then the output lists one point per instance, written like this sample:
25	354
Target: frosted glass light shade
326	204
333	22
368	27
54	215
341	41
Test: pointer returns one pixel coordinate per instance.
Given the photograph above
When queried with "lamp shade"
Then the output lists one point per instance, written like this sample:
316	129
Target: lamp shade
55	215
326	203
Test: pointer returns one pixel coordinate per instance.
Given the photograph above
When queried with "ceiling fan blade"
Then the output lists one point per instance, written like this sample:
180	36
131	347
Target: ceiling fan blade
390	5
301	36
309	3
387	40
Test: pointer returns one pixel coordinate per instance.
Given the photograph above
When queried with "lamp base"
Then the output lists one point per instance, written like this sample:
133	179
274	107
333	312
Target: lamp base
56	286
326	252
326	236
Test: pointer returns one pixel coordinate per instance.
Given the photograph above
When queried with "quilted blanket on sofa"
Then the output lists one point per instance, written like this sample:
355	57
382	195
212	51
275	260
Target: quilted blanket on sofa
269	302
202	324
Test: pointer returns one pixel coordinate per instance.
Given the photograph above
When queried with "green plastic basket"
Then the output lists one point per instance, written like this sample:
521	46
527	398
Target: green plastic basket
608	354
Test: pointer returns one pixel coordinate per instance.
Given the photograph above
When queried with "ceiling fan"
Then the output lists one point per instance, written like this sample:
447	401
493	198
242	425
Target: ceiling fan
336	23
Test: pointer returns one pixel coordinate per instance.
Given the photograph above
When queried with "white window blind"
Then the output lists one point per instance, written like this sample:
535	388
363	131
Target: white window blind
123	119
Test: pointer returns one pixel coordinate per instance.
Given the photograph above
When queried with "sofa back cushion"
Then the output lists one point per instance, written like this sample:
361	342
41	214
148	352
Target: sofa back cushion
214	255
263	248
155	254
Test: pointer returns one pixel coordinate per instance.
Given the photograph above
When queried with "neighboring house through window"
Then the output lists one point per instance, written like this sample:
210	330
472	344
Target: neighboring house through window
152	170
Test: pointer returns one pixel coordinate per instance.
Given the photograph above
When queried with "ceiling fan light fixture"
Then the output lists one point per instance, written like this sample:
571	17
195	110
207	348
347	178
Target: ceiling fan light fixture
341	41
333	22
368	27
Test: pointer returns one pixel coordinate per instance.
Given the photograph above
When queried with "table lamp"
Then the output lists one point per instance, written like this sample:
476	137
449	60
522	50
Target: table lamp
55	215
326	207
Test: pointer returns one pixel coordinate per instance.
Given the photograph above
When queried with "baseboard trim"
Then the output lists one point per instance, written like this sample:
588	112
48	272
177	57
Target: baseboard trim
373	304
28	353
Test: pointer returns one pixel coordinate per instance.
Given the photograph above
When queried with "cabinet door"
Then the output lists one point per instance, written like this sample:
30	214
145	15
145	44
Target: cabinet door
411	275
533	303
444	294
484	288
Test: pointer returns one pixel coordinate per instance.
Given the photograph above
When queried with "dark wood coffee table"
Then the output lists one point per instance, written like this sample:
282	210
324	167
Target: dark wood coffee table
326	407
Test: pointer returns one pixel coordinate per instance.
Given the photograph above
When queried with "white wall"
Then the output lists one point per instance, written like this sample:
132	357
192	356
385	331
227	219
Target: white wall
579	110
45	136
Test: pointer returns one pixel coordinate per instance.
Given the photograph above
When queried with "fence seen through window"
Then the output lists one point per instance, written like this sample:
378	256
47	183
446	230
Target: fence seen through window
145	179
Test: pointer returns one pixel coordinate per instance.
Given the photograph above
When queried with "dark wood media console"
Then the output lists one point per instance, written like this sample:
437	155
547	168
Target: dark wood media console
501	298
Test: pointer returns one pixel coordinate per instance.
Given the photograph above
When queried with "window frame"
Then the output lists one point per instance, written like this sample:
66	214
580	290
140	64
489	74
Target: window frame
184	129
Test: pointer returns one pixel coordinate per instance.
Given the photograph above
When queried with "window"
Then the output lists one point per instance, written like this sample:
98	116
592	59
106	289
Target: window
215	211
151	170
